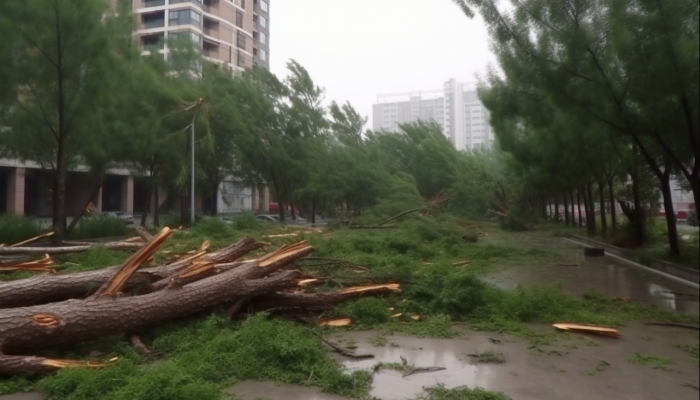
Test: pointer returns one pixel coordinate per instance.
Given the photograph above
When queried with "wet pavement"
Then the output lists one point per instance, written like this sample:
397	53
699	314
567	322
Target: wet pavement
577	275
570	369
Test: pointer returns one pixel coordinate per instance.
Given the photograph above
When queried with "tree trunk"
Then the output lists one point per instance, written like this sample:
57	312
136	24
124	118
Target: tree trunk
156	207
640	220
578	200
590	213
283	301
313	209
59	195
673	243
603	220
51	288
566	210
69	249
80	215
35	327
613	206
556	209
144	215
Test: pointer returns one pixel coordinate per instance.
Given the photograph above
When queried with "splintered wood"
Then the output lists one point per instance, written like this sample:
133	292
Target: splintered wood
597	330
45	264
54	310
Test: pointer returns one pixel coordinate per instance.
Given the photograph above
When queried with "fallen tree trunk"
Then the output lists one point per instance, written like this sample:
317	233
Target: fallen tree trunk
72	321
330	299
69	249
44	289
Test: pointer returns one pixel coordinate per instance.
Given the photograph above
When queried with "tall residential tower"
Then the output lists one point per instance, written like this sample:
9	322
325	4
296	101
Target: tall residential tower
456	108
234	33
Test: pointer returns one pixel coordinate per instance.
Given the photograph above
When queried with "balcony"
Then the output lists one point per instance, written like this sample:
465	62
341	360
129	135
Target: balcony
195	2
153	20
153	3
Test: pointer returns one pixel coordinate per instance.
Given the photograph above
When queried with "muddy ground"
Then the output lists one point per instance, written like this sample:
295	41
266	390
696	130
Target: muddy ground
575	367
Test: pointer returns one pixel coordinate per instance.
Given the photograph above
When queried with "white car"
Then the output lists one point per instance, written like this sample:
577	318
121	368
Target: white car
268	218
124	216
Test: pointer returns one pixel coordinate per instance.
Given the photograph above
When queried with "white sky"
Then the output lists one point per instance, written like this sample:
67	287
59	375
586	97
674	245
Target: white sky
358	49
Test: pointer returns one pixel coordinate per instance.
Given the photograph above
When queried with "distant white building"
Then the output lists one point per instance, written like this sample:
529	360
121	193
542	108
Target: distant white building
456	108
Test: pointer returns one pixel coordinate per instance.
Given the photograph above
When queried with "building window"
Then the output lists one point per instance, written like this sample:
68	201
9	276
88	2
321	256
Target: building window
262	55
196	39
240	40
239	19
185	17
262	38
264	6
263	21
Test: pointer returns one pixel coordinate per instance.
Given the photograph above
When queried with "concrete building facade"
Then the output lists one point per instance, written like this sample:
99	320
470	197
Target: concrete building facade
234	33
456	108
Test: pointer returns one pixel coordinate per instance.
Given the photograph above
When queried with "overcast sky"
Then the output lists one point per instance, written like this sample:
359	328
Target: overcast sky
358	49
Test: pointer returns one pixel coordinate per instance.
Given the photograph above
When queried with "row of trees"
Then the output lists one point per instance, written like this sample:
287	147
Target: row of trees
595	97
76	90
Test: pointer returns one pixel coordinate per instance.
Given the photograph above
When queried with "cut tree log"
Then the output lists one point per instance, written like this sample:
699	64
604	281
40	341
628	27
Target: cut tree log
69	249
72	321
44	289
321	299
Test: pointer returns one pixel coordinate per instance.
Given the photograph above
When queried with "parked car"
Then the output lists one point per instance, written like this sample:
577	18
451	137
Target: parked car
297	220
693	218
123	216
267	218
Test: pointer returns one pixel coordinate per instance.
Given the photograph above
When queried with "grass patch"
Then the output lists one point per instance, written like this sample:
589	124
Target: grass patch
488	357
15	228
440	392
655	362
99	227
692	350
207	355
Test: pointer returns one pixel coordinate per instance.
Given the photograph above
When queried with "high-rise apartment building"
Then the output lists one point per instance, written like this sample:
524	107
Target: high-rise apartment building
234	33
456	108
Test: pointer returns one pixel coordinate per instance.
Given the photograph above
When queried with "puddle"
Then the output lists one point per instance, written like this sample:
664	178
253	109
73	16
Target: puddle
577	275
525	376
252	390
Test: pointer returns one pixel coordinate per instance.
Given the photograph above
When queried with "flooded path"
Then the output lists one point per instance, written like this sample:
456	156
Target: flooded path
576	371
577	274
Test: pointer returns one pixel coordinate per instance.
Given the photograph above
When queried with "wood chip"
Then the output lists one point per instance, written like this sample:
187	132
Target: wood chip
336	322
598	330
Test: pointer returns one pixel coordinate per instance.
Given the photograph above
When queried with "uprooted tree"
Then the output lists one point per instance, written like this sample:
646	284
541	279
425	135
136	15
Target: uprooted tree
126	299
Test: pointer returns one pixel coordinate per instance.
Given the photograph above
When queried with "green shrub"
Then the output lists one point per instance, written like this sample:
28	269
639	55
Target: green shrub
461	393
15	228
246	221
99	227
212	227
368	311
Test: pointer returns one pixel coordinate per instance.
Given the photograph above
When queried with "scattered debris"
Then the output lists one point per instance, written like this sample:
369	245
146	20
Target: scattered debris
461	263
488	357
566	265
405	368
336	322
396	315
32	239
692	386
281	235
599	330
45	264
344	352
495	341
416	317
122	245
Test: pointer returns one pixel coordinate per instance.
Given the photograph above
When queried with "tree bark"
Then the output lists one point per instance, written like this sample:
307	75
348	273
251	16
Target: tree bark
590	214
578	199
81	214
674	245
556	209
603	220
144	215
640	220
69	249
47	288
613	205
156	208
566	210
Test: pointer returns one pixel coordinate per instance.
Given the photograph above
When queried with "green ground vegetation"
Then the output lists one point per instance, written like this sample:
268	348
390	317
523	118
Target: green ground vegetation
203	355
656	362
489	356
